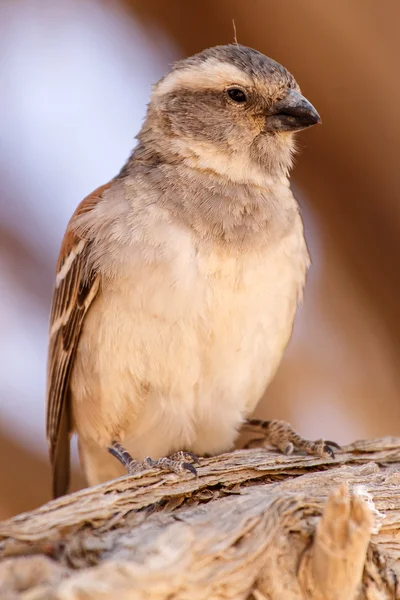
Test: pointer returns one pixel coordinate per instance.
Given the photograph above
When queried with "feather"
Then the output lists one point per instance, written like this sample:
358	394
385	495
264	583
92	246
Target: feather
77	285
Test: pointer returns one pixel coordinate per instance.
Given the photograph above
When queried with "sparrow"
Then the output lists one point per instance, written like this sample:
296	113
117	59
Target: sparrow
177	282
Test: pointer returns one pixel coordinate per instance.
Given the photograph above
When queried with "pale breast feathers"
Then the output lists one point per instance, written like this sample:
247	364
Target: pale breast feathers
75	288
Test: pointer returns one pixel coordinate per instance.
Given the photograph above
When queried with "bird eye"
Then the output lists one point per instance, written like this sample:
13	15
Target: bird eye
237	95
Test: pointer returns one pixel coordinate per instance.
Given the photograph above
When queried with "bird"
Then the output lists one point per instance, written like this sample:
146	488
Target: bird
177	281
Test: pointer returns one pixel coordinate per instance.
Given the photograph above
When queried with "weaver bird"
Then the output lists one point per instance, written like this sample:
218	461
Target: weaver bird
177	281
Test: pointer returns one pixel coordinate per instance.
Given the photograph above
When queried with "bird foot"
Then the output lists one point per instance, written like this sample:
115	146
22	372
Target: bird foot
282	436
177	462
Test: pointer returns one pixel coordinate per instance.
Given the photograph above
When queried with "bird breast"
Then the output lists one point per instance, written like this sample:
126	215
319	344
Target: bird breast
178	351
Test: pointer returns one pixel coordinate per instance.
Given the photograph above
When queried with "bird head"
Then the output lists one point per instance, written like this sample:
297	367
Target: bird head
232	110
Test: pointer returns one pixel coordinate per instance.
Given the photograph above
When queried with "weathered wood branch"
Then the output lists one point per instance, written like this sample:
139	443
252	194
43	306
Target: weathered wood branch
252	525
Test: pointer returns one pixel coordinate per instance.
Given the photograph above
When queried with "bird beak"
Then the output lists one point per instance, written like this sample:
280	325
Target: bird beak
293	113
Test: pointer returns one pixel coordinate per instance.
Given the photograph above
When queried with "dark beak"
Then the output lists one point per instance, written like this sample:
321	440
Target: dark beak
293	113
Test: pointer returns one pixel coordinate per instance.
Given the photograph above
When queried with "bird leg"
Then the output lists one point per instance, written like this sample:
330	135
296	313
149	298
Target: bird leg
177	462
282	436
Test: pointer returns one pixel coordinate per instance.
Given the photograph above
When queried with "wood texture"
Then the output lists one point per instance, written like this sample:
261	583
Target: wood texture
254	525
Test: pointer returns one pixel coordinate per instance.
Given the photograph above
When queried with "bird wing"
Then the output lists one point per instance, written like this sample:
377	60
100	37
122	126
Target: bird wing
77	285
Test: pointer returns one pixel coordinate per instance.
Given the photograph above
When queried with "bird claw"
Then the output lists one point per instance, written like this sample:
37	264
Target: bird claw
190	467
334	444
177	462
328	450
283	437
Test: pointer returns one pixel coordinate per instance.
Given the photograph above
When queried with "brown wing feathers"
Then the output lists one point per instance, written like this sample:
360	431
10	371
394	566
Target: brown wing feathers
72	299
76	287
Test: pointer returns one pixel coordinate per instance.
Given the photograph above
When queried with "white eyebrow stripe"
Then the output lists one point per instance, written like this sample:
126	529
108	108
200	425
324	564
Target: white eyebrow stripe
211	73
68	262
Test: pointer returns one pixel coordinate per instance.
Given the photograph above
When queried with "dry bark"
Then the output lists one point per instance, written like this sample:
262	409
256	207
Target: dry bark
253	525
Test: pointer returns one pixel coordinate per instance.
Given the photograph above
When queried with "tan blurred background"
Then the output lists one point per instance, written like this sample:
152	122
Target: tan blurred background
75	77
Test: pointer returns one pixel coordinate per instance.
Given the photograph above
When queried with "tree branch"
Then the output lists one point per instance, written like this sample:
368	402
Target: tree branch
252	525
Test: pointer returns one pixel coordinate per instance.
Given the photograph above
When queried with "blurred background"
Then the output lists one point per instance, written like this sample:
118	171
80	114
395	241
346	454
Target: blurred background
75	78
